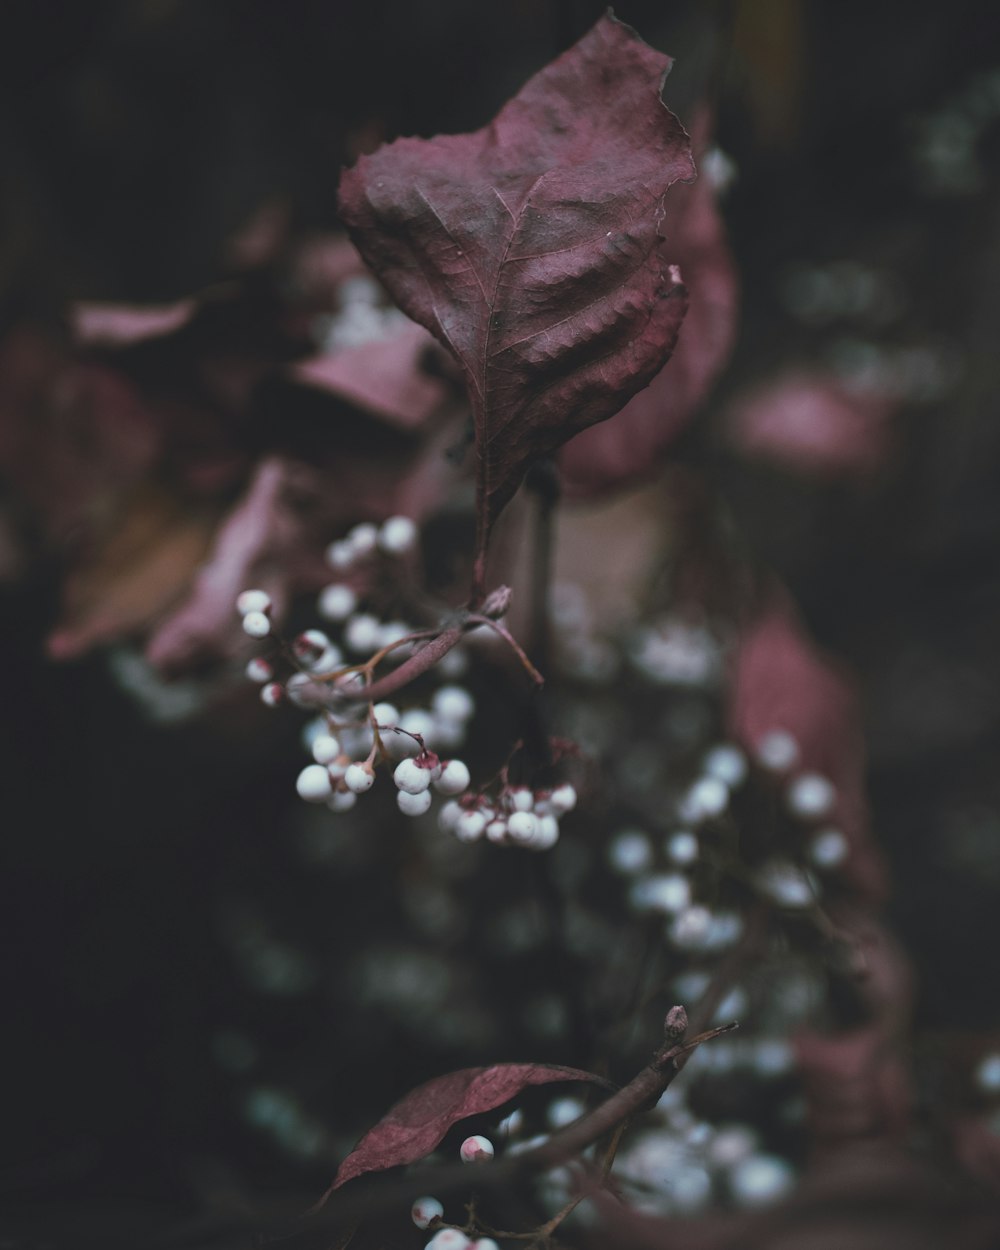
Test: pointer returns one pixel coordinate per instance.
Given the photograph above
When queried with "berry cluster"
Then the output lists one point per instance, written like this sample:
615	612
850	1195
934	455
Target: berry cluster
513	816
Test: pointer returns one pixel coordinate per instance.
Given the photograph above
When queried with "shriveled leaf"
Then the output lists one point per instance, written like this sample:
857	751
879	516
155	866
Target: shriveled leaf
534	249
417	1123
629	447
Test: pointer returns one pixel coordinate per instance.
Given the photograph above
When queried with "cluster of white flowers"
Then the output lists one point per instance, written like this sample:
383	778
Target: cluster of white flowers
514	816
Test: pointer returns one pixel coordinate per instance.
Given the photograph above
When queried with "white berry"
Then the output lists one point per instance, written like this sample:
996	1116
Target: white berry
520	799
386	715
361	632
313	784
563	799
411	777
256	625
341	800
424	1210
449	815
469	826
272	694
258	669
337	602
477	1149
448	1239
496	831
340	555
453	703
682	847
630	852
413	804
828	848
363	538
253	601
359	777
397	535
728	763
810	796
454	778
325	749
522	826
777	751
546	835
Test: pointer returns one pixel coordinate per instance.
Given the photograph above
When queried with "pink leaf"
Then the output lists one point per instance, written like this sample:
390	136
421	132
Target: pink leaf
417	1123
810	424
533	249
628	447
782	680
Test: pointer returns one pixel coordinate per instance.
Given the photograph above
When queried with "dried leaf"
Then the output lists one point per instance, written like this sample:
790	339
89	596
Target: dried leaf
417	1123
533	249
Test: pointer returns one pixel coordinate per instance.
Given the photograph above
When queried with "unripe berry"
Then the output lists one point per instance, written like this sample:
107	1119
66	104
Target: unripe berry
413	804
411	777
253	601
325	749
477	1149
256	625
313	784
424	1210
522	827
563	799
258	669
454	778
359	777
337	602
397	535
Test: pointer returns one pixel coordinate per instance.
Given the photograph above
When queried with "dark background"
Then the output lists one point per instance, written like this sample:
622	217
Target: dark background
135	139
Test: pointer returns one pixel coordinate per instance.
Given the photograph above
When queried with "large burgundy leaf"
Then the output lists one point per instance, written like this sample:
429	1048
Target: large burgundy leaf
534	249
417	1123
628	448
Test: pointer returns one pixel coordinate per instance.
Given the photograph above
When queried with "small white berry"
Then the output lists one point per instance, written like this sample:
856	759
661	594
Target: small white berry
682	847
453	664
448	1239
397	535
313	784
469	826
359	778
563	1111
258	669
338	767
485	1243
256	625
477	1149
331	659
454	778
298	688
453	703
546	835
386	715
522	827
341	800
417	720
361	633
393	632
337	602
363	538
310	645
563	799
707	798
728	763
340	555
448	816
810	796
424	1210
777	751
630	852
690	929
828	849
496	831
411	777
413	804
325	748
520	799
785	884
668	893
272	694
760	1180
253	601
